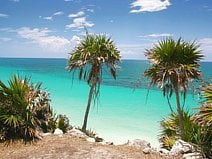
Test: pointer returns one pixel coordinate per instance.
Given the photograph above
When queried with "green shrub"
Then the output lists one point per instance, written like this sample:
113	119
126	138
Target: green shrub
199	136
170	130
24	109
62	122
203	118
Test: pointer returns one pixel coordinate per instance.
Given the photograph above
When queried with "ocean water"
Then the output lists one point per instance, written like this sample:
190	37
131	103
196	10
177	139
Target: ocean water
124	112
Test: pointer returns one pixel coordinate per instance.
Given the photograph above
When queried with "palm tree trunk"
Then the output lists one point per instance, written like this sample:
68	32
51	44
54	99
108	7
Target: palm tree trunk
88	107
180	114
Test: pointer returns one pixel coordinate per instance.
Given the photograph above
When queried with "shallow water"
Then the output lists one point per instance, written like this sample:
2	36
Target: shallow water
123	111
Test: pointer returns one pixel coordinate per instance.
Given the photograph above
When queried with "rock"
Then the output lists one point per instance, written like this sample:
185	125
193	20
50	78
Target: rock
98	139
146	150
58	132
138	143
109	143
77	133
90	139
164	151
194	155
181	147
106	143
45	134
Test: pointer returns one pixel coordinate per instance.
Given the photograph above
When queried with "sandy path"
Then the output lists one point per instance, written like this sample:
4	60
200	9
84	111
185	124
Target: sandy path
67	147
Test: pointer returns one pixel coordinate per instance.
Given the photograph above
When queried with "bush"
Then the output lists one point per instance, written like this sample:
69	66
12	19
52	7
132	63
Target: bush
199	136
62	122
170	130
24	109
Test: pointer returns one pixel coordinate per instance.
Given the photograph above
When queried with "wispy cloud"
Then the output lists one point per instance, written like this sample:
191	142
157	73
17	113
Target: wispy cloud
79	14
206	46
58	13
15	0
71	0
2	15
42	38
133	51
156	35
5	39
149	5
9	30
80	23
48	18
52	16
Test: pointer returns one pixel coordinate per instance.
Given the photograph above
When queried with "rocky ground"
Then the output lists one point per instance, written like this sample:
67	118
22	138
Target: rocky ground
69	147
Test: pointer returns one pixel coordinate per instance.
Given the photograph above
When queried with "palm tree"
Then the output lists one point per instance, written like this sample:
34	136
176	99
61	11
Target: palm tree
174	66
90	56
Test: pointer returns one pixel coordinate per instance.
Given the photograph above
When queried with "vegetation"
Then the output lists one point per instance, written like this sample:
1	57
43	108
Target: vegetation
25	110
174	66
89	57
170	130
62	122
197	127
204	119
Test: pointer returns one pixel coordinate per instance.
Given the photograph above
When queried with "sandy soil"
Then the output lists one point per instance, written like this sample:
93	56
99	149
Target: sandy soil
68	147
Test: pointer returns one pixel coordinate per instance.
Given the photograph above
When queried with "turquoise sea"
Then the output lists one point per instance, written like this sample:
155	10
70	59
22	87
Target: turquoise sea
123	111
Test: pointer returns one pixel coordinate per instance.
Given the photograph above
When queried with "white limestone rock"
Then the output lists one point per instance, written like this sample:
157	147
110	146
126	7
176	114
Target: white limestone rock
163	151
77	133
139	143
181	147
45	134
58	132
90	139
194	155
147	150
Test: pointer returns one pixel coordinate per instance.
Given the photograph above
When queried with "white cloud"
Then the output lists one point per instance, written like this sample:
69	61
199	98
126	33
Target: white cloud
79	14
80	23
71	0
58	13
206	47
4	39
133	51
156	35
149	5
48	18
15	0
90	10
75	40
9	30
45	41
3	15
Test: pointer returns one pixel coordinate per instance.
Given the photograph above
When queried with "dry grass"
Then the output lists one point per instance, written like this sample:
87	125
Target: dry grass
67	147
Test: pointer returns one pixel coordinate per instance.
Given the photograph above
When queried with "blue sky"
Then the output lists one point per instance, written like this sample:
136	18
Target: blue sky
51	28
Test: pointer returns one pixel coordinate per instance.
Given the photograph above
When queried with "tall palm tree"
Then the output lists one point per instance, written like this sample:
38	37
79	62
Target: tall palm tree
174	65
89	57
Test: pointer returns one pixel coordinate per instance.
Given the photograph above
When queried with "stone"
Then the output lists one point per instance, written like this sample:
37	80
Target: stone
58	132
146	150
77	133
98	139
181	147
90	139
194	155
45	134
164	151
139	143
